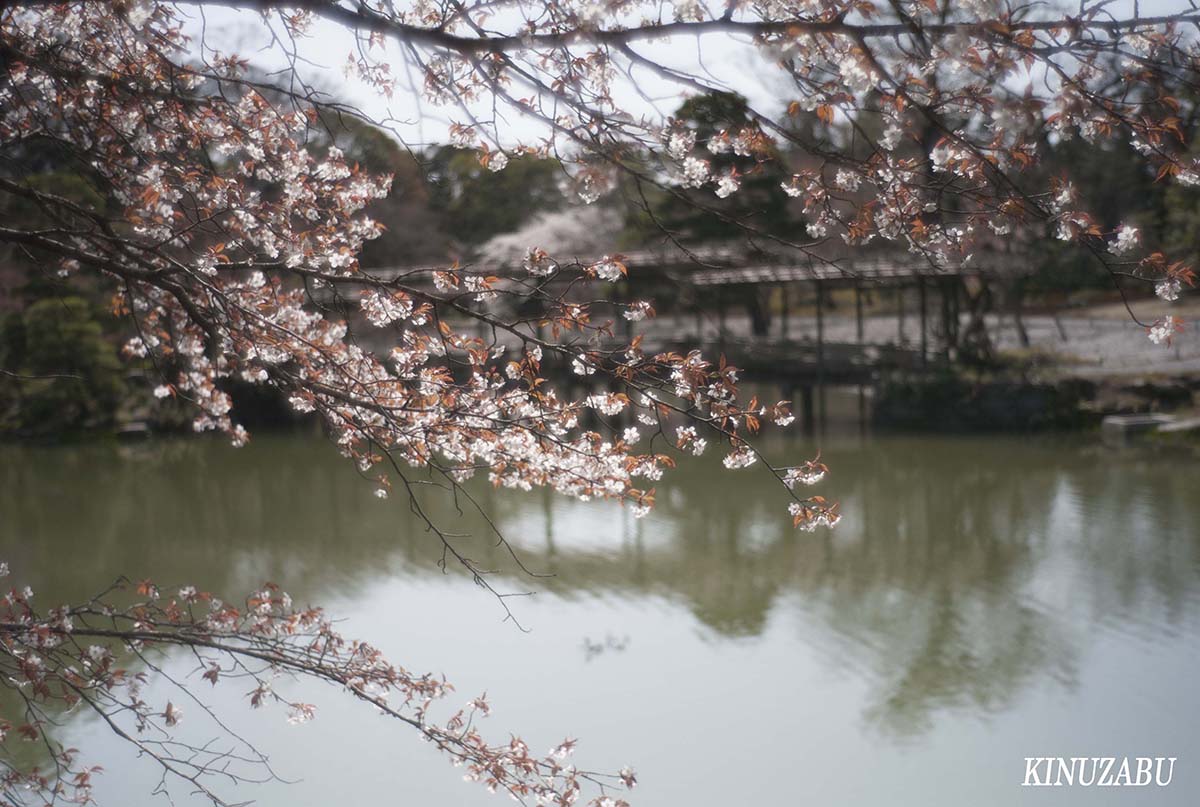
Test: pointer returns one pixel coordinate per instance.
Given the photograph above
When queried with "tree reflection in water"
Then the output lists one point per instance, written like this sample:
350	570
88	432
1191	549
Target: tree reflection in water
964	571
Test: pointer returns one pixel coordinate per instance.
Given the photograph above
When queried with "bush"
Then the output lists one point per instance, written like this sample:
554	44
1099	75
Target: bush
951	402
68	376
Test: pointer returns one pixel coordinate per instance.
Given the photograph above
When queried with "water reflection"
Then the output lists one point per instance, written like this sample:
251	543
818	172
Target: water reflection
964	572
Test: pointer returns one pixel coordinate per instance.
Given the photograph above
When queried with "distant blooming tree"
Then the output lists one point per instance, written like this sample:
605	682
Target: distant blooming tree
228	226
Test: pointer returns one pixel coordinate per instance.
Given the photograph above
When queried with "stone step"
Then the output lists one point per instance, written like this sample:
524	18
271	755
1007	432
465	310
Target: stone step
1121	425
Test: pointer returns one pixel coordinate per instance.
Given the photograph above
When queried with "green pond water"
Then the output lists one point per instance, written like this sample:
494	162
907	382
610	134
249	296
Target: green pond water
983	600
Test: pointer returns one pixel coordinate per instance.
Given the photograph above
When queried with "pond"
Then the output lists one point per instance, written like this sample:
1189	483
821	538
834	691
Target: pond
983	600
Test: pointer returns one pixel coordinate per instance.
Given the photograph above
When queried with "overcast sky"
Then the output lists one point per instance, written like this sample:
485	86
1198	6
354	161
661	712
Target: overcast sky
728	60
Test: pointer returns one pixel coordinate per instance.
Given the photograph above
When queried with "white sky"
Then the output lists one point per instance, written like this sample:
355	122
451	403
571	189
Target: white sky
726	59
419	122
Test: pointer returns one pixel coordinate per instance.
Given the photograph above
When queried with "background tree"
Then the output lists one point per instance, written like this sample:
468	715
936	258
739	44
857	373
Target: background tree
67	377
413	229
692	215
228	226
58	344
478	201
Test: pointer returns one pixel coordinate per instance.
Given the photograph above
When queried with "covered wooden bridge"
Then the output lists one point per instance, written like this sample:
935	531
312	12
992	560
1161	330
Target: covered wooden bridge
809	339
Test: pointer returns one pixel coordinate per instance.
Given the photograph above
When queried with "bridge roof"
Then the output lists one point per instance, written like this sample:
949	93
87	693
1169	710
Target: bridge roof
723	265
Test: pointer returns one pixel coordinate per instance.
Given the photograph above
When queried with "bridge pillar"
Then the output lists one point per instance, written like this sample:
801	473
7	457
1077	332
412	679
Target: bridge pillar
821	351
924	325
721	317
820	333
944	291
785	314
858	313
858	332
807	415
